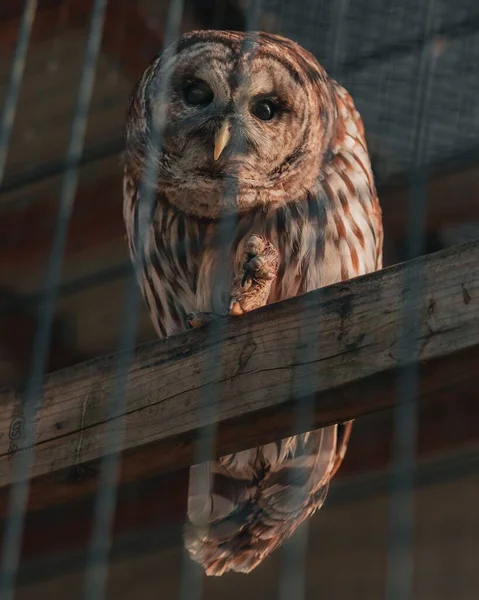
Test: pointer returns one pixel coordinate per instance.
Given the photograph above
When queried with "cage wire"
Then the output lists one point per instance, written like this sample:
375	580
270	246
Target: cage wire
403	86
292	575
200	479
400	556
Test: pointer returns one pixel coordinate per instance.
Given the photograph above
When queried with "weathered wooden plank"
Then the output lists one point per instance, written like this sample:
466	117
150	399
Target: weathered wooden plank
60	513
351	333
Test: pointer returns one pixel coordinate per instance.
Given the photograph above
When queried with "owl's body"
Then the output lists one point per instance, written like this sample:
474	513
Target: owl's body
302	179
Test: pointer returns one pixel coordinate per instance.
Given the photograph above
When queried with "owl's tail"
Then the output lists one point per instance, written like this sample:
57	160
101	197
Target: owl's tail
243	506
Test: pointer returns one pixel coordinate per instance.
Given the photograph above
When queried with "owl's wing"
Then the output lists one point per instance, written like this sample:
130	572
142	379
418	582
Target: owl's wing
245	505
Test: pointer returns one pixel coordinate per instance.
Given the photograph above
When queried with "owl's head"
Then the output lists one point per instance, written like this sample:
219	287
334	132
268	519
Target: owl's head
240	120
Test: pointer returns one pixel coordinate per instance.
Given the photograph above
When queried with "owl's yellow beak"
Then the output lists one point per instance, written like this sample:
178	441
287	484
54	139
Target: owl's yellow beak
222	139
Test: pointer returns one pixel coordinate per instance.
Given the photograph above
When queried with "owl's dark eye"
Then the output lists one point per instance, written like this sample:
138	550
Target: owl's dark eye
198	93
264	110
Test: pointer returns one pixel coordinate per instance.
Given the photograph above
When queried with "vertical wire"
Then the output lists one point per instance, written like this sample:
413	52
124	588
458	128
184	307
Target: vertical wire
23	461
97	567
400	565
292	578
281	16
9	108
340	9
191	582
191	574
15	81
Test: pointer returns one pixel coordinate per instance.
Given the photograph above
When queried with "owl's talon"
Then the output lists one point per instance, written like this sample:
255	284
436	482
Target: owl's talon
260	266
199	319
261	259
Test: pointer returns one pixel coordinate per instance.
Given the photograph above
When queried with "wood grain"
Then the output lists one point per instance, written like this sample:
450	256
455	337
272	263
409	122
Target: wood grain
348	336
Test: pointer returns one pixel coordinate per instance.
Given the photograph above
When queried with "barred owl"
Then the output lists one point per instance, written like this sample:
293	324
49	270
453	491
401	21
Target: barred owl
254	130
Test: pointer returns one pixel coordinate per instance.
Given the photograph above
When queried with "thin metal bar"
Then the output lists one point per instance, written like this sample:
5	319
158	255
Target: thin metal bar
399	582
15	81
23	461
106	498
191	582
292	576
339	8
192	575
293	571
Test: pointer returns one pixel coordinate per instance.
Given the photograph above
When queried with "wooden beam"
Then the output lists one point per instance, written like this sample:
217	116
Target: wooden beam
351	334
443	427
60	511
66	524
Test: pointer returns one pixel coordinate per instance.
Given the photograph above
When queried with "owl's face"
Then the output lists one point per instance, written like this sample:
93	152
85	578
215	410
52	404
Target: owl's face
258	114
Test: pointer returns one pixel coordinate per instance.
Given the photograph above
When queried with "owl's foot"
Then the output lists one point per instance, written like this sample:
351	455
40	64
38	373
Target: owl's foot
199	319
261	259
251	290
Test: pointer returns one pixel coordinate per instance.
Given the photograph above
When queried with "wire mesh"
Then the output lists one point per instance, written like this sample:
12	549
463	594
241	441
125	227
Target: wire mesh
200	476
18	66
403	83
292	581
400	556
